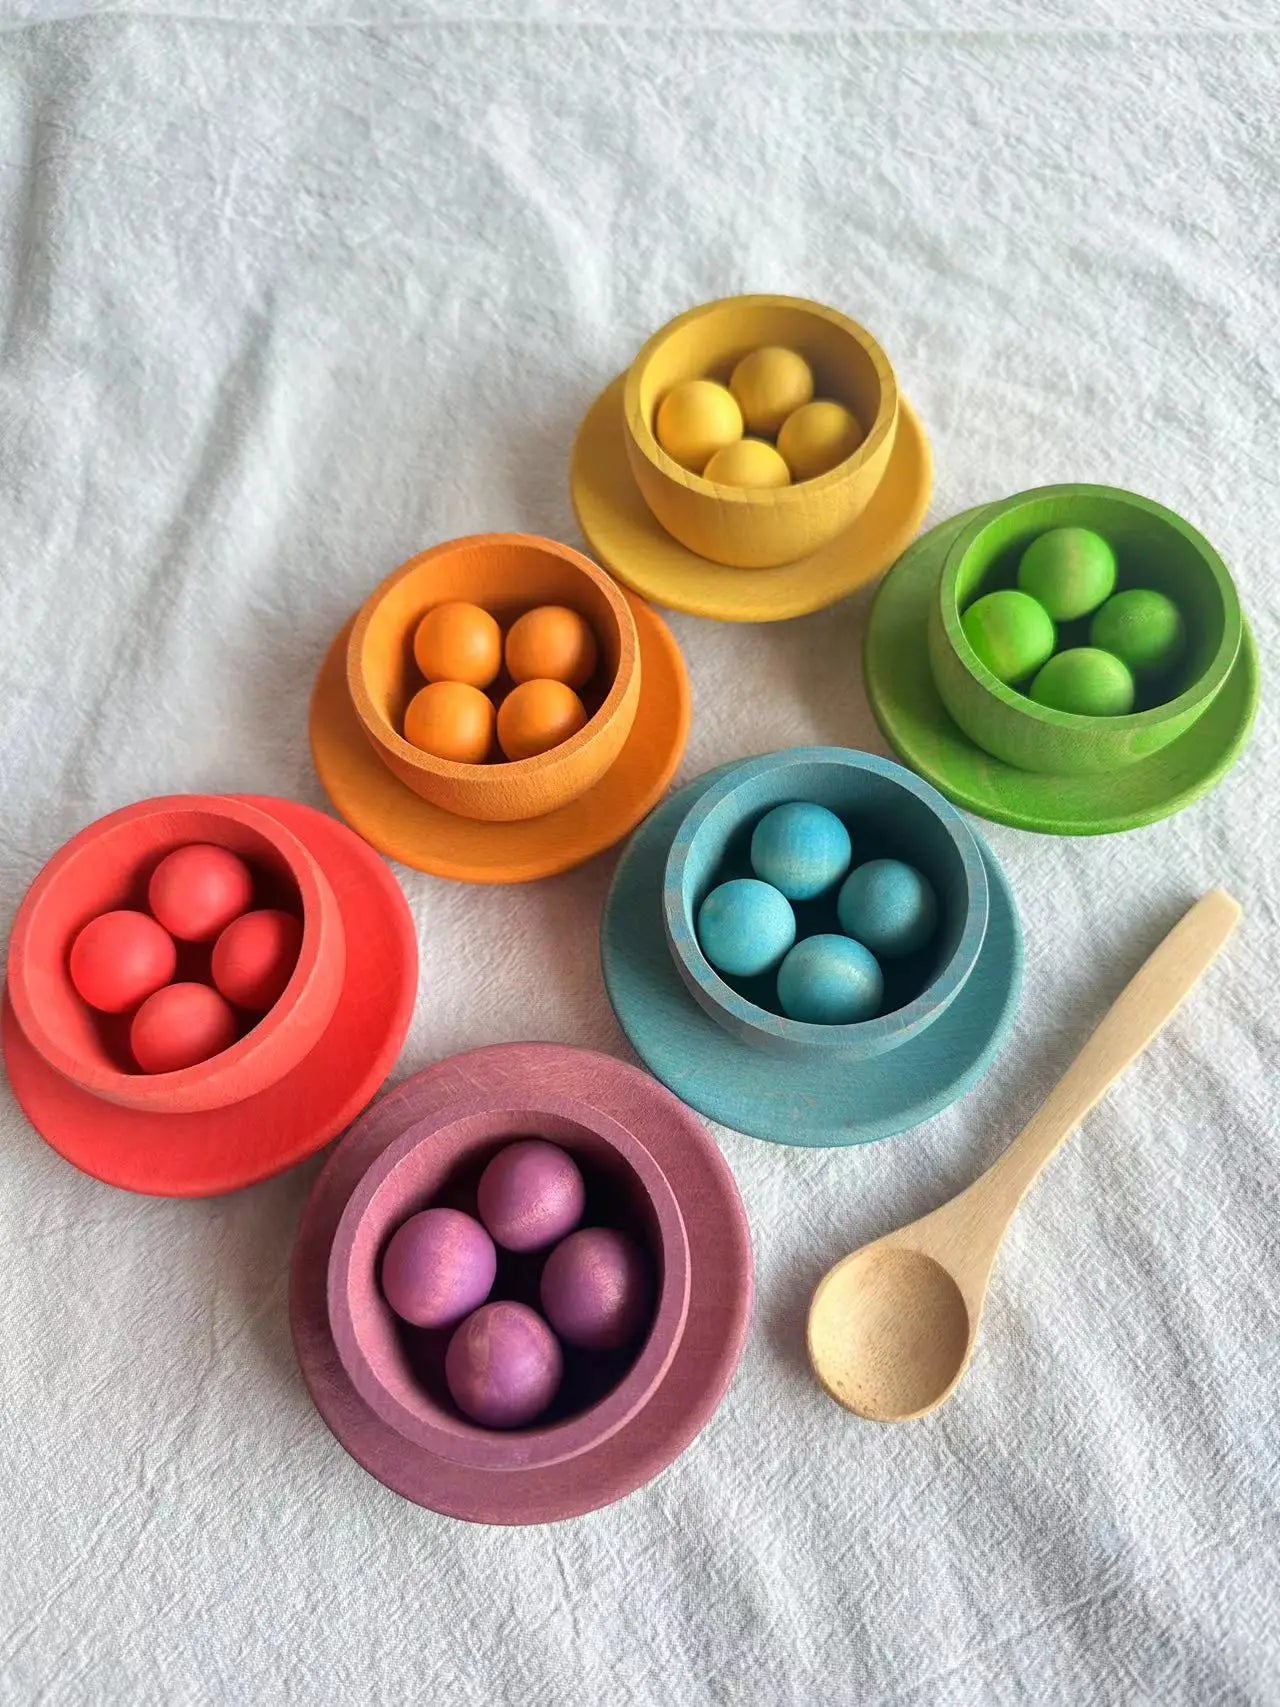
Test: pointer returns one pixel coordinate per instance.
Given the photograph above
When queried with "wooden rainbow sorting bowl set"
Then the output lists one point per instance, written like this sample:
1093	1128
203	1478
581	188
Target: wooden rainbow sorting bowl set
523	1280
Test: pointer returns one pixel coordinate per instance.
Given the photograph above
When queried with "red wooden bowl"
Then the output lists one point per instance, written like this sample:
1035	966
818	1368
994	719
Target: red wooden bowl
109	865
399	1371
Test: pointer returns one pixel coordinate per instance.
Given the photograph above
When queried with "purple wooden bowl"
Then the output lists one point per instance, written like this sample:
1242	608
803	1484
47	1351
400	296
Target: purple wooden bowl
399	1371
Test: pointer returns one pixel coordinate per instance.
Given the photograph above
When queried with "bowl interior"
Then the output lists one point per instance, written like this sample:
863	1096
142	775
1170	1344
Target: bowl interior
505	576
707	343
1153	548
889	815
400	1368
111	867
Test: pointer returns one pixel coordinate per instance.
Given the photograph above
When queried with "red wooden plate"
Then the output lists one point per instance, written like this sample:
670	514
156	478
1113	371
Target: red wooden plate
224	1149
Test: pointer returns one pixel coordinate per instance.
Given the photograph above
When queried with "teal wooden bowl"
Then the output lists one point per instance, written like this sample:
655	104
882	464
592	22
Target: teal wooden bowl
890	813
1154	548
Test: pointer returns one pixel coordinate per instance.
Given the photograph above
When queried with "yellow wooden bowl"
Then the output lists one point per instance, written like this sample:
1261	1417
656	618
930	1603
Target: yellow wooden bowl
506	574
760	529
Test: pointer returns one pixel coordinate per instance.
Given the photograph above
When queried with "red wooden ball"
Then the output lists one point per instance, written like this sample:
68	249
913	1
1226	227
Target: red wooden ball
119	959
196	891
180	1025
255	956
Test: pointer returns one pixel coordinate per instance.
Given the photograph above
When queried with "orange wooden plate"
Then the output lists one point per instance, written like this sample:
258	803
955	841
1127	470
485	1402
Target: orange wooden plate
469	850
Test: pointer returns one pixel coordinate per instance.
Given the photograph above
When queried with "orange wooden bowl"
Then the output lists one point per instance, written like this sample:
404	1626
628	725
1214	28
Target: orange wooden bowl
109	865
507	574
761	529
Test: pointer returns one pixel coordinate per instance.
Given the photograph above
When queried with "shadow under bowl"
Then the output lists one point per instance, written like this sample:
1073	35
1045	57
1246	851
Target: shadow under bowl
753	529
1154	548
109	865
506	574
889	813
398	1370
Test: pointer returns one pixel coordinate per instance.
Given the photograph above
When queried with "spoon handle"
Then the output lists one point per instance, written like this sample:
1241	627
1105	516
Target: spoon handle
1148	1000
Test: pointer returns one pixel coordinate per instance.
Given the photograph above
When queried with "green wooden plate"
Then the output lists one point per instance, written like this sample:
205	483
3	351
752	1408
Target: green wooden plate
918	727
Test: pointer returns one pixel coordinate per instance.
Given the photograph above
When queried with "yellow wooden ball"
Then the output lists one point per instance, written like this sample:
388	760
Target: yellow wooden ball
695	420
751	463
817	437
770	384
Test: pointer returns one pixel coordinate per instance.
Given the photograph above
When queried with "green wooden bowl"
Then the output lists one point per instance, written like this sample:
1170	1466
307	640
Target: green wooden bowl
1154	548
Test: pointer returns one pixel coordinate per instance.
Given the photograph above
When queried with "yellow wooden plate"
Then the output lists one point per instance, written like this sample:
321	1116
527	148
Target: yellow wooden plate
631	543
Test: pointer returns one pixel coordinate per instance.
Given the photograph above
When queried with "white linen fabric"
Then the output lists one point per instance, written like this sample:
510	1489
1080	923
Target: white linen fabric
287	294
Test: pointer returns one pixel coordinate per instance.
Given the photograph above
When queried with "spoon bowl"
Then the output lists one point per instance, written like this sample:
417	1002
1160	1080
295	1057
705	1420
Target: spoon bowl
889	1333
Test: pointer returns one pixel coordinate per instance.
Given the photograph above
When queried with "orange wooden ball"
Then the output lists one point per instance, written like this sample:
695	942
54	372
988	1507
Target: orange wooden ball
537	716
451	720
552	643
458	642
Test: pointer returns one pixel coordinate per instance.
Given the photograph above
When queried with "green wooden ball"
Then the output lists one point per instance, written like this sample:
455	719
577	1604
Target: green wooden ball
1069	570
1087	681
1011	633
1143	628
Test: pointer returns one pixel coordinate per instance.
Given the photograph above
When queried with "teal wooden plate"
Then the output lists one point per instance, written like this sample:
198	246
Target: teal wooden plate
908	709
808	1102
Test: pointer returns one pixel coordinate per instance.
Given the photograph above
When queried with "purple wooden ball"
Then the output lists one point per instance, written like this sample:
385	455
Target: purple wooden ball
597	1289
438	1267
530	1195
503	1365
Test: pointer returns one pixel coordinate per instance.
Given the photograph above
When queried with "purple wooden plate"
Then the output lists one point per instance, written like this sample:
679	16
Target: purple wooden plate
526	1077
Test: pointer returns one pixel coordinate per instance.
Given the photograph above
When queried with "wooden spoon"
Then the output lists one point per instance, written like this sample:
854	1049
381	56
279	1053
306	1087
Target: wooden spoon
892	1326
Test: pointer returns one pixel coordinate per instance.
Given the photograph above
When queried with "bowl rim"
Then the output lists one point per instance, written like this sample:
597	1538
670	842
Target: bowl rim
871	1036
146	1091
1199	692
386	736
465	1442
799	491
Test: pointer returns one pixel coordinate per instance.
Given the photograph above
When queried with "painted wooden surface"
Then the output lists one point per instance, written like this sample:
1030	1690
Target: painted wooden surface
440	1154
908	708
469	850
892	1326
807	1102
109	864
720	1289
634	546
1155	549
760	528
888	812
506	574
219	1150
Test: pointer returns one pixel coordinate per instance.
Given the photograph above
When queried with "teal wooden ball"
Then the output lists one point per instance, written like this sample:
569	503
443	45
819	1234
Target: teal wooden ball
1070	571
889	907
1090	682
1143	628
803	850
745	927
830	980
1011	632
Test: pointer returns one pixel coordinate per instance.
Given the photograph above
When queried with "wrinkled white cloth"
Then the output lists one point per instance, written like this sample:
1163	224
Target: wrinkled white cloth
289	293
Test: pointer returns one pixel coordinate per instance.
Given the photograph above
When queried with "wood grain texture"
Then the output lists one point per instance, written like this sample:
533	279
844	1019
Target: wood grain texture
506	574
634	546
888	813
387	814
1155	549
108	865
443	1151
760	528
907	706
892	1327
807	1102
720	1290
219	1150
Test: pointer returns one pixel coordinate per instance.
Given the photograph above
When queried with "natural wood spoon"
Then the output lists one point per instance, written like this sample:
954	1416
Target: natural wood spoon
892	1326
